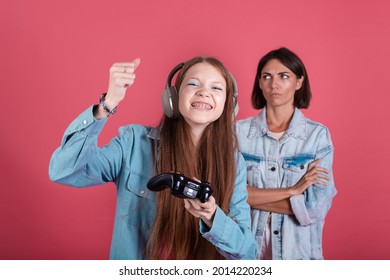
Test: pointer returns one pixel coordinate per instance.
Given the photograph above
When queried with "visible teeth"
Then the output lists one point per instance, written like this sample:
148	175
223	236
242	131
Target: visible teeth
201	105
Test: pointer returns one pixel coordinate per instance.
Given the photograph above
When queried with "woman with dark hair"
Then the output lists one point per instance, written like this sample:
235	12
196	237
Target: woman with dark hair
194	137
289	162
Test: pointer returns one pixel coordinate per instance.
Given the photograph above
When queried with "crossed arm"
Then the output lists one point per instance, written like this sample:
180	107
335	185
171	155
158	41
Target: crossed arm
277	200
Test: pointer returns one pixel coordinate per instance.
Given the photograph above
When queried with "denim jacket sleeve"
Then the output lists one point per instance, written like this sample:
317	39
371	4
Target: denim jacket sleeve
315	202
78	161
231	234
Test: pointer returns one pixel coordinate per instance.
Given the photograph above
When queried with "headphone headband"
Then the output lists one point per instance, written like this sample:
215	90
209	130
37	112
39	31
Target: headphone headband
174	71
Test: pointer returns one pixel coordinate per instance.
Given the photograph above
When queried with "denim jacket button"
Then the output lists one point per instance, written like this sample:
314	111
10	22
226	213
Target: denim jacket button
142	192
273	168
302	166
85	122
276	232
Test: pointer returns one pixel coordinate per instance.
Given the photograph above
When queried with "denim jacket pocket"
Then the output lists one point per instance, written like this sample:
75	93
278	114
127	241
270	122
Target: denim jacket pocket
254	167
136	184
296	167
253	173
137	205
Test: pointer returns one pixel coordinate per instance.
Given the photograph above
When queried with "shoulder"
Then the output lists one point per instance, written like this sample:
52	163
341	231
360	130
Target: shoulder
317	127
134	133
136	129
244	125
318	132
246	121
309	125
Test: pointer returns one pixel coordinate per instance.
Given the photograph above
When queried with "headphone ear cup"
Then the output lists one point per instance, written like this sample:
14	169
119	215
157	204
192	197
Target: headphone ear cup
236	106
170	97
169	100
235	95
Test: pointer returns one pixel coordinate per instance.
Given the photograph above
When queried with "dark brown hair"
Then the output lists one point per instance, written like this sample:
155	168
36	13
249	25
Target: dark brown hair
291	61
175	234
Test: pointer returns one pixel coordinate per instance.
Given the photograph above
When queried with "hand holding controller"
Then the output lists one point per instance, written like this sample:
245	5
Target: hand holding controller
180	186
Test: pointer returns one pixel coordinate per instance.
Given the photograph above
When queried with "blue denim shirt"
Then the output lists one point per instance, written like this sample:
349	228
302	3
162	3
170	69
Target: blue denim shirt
127	161
280	164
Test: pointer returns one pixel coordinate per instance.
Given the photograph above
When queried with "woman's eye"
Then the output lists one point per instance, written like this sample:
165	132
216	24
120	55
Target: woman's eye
216	88
266	77
191	83
284	76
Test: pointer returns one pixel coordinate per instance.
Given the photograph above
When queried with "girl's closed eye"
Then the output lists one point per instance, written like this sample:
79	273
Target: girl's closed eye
217	88
192	83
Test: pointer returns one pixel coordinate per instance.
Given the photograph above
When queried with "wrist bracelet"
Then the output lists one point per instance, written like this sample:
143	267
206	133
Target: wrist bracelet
110	112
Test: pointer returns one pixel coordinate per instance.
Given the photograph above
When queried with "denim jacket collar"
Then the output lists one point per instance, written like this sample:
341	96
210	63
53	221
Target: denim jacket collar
154	133
297	127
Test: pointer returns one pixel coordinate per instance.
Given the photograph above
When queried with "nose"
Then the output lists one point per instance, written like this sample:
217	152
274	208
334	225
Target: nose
275	83
203	92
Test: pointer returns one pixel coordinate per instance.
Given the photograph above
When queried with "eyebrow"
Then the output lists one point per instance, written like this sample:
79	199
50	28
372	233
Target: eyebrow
213	82
284	72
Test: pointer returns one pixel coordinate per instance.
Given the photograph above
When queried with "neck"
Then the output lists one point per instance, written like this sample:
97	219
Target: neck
196	134
278	119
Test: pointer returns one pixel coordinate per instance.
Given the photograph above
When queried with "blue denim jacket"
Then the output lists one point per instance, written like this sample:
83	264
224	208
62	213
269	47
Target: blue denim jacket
127	161
280	164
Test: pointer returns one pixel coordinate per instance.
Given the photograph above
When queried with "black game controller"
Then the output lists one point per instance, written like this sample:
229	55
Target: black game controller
181	186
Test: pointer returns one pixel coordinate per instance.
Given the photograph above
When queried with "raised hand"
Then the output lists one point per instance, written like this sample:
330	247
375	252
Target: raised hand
122	76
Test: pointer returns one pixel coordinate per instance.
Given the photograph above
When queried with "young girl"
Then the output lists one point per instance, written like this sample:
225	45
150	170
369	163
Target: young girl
195	137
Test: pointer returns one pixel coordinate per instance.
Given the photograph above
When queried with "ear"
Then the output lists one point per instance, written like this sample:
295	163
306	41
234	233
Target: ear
299	83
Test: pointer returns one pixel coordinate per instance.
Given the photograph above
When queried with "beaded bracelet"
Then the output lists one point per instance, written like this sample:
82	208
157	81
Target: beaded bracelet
110	112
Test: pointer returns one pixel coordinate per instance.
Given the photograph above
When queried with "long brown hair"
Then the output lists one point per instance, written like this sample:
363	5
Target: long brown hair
175	234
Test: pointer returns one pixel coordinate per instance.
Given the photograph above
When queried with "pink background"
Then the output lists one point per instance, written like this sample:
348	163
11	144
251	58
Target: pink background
54	63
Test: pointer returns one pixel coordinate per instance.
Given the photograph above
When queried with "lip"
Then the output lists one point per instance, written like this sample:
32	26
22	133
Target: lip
201	105
275	94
